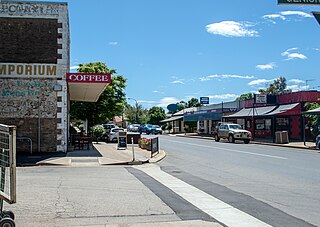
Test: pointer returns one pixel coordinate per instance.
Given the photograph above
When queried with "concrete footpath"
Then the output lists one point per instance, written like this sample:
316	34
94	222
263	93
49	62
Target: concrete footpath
105	154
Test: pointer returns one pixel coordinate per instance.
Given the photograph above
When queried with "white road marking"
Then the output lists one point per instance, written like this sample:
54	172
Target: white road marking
232	150
214	207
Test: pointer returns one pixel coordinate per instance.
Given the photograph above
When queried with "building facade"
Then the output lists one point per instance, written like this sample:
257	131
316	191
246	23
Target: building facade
34	60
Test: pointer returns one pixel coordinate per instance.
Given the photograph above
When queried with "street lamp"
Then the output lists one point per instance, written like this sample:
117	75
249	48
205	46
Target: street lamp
136	108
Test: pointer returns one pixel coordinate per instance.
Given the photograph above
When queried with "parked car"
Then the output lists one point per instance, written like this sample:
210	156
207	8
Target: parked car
231	132
109	126
157	129
113	134
133	128
318	141
147	128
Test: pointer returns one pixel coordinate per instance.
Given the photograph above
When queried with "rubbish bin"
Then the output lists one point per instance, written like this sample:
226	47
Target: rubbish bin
282	137
285	137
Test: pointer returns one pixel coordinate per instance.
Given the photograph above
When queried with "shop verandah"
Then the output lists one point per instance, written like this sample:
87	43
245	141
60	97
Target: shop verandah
264	122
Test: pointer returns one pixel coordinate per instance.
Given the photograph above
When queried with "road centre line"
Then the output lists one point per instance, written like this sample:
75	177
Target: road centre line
232	150
214	207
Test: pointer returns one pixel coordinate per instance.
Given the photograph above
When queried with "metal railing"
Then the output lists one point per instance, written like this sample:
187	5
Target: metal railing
7	164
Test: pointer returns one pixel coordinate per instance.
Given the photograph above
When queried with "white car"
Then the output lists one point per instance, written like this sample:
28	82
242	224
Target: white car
113	134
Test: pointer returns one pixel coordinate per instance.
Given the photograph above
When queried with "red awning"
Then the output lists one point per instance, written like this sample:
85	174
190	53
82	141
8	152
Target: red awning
288	109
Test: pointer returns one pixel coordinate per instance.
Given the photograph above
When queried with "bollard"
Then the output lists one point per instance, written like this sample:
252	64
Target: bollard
133	158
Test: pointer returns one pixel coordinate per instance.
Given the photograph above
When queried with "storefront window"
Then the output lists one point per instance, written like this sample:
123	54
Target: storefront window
259	123
282	124
268	124
248	124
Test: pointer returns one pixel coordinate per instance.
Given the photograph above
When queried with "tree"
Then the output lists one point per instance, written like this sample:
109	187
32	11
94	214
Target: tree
181	105
246	96
278	87
136	115
193	102
110	103
156	114
314	120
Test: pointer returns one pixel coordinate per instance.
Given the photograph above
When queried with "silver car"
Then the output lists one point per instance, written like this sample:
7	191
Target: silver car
113	134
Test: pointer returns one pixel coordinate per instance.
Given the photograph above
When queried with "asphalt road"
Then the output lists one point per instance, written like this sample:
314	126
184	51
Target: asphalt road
279	186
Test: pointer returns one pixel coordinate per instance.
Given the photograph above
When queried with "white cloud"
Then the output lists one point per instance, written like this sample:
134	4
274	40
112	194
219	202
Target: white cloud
164	102
297	87
296	81
177	82
74	67
284	14
296	13
272	17
266	66
224	76
260	82
232	29
113	43
160	92
223	96
292	56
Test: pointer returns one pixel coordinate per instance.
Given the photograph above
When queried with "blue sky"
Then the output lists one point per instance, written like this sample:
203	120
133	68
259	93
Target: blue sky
173	50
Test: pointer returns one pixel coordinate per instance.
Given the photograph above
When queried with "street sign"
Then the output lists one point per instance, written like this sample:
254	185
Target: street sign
260	99
317	16
204	100
299	2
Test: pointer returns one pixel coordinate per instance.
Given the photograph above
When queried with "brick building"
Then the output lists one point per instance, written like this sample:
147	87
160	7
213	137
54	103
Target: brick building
34	60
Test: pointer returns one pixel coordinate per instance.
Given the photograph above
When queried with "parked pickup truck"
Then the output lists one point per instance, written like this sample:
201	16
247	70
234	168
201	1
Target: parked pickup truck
231	132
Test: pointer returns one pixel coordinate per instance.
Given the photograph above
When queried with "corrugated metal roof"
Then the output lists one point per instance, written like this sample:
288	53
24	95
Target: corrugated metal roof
248	112
282	109
171	119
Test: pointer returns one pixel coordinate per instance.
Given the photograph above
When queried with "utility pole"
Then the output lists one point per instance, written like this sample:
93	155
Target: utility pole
307	84
136	108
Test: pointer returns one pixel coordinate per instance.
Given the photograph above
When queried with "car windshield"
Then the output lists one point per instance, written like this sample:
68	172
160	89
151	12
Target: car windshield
235	127
156	126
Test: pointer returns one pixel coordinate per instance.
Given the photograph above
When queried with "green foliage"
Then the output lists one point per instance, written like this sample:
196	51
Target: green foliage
181	105
193	102
314	120
156	114
97	131
277	87
136	114
246	96
110	103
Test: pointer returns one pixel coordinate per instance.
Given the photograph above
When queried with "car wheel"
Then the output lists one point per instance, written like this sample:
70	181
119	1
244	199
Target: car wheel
231	139
216	138
246	141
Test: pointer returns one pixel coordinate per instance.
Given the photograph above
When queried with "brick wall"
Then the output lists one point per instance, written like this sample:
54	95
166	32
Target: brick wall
35	36
29	40
28	128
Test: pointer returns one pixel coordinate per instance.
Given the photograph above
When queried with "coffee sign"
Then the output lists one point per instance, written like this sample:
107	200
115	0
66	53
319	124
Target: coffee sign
88	78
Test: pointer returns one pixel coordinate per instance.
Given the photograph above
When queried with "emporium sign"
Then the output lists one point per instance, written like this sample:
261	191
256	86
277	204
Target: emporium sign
300	2
88	78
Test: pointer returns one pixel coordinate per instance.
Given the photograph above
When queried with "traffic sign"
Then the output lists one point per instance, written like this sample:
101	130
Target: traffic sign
299	2
204	100
317	16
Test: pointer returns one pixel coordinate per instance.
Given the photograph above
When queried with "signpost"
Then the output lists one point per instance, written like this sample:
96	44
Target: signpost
299	2
204	100
260	99
122	140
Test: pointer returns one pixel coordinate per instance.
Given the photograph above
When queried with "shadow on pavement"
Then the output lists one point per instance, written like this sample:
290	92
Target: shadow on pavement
32	159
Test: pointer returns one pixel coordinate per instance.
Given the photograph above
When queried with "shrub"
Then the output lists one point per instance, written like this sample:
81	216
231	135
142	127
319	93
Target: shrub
98	131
